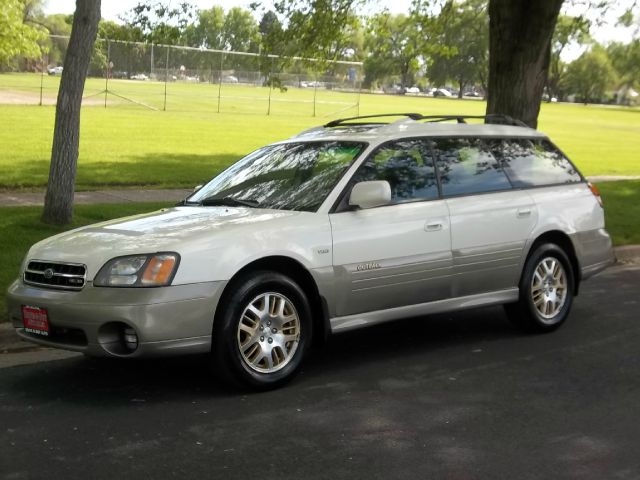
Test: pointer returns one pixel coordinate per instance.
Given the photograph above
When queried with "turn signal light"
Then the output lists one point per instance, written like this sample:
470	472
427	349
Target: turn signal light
596	193
159	270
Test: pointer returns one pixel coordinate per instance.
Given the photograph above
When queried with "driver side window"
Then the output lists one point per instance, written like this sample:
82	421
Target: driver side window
408	167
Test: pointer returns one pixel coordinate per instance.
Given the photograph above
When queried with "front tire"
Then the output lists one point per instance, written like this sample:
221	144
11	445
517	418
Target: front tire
263	332
546	290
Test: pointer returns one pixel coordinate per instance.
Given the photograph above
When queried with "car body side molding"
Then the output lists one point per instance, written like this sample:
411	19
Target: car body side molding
352	322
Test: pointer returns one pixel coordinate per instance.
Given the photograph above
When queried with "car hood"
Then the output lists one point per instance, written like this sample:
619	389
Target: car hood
163	230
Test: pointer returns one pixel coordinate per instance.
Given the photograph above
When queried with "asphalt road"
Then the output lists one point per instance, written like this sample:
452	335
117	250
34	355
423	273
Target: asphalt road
461	396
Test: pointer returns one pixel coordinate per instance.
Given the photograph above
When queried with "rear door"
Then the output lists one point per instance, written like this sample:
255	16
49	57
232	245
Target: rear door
490	221
398	254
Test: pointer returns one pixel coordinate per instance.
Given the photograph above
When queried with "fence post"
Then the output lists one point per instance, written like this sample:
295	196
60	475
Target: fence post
106	77
315	91
42	76
270	87
166	79
220	80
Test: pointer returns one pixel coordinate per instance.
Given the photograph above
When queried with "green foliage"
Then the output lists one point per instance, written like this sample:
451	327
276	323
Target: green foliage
272	38
208	30
160	22
568	30
18	37
318	29
240	31
590	75
393	45
462	42
625	58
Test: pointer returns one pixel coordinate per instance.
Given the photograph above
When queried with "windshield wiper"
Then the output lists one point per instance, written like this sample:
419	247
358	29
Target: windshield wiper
228	202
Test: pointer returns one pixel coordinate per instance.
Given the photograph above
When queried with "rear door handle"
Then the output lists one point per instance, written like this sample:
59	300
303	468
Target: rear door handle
433	227
523	212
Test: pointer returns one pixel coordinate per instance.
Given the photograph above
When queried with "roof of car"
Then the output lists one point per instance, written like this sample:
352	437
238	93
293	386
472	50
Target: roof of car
435	126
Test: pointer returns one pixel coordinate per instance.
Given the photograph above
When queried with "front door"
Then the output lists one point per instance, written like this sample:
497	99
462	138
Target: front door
398	254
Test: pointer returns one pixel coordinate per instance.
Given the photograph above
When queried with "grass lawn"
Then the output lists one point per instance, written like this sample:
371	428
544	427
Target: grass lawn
622	210
130	145
21	226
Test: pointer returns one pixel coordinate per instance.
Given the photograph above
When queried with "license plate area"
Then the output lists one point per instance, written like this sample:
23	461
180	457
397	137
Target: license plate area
35	320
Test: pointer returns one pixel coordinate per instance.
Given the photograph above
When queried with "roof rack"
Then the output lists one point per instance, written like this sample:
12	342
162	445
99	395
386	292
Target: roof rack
343	121
490	118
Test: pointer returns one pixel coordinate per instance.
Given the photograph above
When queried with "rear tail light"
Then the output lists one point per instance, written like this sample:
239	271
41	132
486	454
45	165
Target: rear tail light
596	192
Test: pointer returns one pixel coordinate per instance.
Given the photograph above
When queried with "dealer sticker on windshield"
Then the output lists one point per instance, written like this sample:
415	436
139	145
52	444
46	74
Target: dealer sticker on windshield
35	320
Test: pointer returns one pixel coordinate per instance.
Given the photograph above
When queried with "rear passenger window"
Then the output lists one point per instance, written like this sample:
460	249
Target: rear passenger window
408	167
467	165
532	163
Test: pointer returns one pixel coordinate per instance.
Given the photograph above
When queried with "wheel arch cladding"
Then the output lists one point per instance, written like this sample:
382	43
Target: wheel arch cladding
298	273
563	241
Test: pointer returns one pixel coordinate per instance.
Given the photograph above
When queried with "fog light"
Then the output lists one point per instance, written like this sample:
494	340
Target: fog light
130	339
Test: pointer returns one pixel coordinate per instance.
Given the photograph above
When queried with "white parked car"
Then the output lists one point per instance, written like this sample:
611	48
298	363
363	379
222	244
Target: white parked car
340	227
54	70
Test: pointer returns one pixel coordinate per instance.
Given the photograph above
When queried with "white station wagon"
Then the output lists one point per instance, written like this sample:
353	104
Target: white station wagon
346	225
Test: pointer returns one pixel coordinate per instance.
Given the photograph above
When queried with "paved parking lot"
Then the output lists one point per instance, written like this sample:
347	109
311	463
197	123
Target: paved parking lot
459	396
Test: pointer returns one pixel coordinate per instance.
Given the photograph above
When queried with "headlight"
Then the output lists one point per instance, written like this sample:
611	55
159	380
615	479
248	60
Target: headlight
154	270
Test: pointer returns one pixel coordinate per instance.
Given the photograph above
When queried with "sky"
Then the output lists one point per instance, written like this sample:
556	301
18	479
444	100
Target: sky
604	33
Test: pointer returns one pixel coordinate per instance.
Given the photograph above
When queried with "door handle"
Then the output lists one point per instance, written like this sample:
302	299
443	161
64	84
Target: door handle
433	227
523	212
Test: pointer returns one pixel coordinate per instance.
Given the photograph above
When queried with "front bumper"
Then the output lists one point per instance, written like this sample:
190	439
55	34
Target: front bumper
167	320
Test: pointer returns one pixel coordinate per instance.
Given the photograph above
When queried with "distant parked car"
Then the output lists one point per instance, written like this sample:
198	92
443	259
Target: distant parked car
139	76
229	79
411	90
393	89
472	93
441	92
54	70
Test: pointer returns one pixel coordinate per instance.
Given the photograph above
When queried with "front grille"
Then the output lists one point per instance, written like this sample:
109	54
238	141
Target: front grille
67	276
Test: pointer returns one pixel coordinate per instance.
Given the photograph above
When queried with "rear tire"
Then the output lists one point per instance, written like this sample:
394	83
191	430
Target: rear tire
546	290
263	331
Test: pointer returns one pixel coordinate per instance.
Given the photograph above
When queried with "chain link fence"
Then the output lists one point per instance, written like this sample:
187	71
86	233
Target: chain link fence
173	78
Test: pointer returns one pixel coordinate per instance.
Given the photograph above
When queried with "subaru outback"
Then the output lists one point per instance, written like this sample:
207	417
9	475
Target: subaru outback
347	225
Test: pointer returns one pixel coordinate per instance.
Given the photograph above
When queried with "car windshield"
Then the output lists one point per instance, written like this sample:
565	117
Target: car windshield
288	176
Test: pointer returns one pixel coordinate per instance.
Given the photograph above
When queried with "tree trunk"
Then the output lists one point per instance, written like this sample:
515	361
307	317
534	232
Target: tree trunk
520	34
58	202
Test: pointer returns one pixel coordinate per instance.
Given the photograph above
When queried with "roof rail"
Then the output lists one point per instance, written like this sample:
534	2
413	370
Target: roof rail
342	121
489	118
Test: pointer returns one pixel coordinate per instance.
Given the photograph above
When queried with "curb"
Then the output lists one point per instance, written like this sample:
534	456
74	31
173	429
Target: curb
10	343
627	254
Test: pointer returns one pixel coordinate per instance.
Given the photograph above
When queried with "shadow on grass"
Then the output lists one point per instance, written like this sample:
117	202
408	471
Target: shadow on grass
152	170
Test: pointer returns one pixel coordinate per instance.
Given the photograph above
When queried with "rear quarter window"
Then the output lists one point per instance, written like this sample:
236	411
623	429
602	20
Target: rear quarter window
534	163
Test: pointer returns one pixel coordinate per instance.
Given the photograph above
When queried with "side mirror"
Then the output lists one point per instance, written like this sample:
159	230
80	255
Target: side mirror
195	189
370	194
